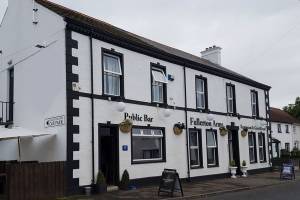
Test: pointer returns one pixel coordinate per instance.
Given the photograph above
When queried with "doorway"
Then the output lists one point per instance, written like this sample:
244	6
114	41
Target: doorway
109	153
234	150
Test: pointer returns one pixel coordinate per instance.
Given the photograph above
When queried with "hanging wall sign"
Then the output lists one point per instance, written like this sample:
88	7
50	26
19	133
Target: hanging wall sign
138	118
54	121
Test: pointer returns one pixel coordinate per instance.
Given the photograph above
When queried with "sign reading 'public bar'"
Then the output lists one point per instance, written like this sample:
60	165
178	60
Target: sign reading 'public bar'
137	117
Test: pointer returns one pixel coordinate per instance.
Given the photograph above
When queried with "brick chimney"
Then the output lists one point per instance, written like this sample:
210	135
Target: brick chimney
213	54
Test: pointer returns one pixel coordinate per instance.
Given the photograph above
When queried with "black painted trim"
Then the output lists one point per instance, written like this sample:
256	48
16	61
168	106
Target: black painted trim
101	97
259	170
165	88
155	53
199	132
71	164
255	147
234	98
93	110
217	149
163	145
205	93
121	57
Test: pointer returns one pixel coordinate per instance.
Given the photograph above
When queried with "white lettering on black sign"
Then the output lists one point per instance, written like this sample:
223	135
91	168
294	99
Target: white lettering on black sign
55	121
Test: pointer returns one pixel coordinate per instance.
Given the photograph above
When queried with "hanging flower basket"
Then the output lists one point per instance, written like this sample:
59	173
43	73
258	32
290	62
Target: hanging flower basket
223	131
126	126
178	128
244	132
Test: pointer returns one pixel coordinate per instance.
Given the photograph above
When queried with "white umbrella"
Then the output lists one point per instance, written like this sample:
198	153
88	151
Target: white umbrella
18	133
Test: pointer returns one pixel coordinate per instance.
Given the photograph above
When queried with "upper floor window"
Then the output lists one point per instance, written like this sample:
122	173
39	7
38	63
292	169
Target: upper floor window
230	95
201	93
159	81
287	128
212	148
279	128
254	103
294	129
112	72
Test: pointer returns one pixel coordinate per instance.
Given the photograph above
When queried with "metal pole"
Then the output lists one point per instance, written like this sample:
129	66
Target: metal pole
19	147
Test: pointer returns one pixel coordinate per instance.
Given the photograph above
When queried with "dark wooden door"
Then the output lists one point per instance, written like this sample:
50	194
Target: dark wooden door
234	149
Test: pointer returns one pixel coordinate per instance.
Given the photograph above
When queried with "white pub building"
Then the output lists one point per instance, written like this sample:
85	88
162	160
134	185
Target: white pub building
79	77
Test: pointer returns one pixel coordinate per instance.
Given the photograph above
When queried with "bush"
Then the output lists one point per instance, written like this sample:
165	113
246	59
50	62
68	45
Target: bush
285	153
124	180
244	164
101	179
232	163
295	153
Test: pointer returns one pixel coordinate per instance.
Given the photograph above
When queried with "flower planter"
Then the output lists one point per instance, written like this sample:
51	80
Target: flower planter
233	171
244	171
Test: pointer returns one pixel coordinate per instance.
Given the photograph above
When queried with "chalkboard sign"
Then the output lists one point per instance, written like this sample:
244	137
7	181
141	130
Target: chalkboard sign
287	171
170	183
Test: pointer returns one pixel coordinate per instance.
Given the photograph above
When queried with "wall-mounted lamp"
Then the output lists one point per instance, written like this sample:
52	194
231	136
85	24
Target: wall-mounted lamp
121	106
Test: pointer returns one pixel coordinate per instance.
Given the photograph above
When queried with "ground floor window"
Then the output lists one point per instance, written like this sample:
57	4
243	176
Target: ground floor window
195	141
212	148
296	145
148	145
261	146
287	147
252	147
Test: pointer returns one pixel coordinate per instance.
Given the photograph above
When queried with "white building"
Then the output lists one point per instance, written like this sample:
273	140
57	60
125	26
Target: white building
80	77
285	131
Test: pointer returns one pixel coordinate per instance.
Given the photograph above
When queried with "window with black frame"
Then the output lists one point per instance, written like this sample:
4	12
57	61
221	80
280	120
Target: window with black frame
201	93
147	145
254	103
195	142
230	98
287	130
159	81
252	147
112	74
212	148
261	147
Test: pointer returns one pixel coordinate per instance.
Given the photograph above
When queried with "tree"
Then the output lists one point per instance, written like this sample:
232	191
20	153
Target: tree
293	109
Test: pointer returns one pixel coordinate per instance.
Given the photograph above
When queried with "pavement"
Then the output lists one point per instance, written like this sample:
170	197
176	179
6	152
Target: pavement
206	189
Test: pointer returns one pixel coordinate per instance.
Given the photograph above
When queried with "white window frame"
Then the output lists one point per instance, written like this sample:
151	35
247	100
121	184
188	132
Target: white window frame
200	105
254	103
159	84
214	147
261	147
112	73
252	136
230	98
151	135
294	129
197	147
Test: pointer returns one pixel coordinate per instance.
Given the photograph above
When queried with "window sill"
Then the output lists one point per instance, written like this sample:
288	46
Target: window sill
198	167
212	166
264	161
161	105
255	162
112	97
147	162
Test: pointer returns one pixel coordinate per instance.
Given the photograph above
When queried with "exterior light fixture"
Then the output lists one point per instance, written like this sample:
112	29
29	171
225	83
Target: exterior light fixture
210	117
167	112
121	106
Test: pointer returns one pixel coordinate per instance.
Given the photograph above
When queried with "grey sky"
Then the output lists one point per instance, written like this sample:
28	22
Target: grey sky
260	39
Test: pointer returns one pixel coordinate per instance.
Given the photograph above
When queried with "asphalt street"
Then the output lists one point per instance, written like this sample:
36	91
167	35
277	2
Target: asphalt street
286	191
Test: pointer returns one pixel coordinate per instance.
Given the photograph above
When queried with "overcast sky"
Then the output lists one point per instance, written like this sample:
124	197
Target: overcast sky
259	39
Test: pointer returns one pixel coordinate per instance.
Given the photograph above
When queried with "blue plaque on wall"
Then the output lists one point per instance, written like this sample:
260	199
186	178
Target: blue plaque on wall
125	148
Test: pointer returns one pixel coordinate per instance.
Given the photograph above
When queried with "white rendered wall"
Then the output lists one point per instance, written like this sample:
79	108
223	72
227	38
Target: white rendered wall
137	87
283	137
40	86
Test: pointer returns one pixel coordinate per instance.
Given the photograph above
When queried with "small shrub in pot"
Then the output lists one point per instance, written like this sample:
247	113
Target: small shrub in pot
101	185
124	181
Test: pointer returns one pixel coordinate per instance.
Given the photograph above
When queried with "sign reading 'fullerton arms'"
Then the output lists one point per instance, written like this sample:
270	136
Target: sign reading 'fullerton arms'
198	122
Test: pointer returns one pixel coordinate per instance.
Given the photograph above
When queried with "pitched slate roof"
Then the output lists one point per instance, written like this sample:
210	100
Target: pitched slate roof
278	115
135	39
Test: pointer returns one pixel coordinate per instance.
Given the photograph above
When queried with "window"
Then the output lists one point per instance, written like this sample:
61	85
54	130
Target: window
112	73
212	148
287	147
195	148
252	147
294	129
261	146
201	93
159	81
296	145
254	103
148	145
287	128
230	95
279	128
